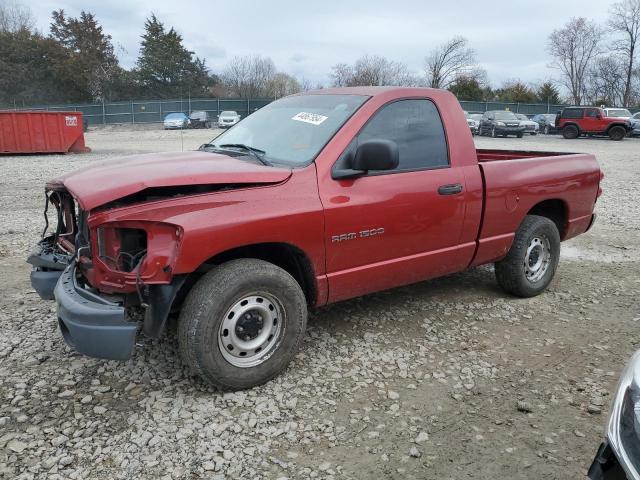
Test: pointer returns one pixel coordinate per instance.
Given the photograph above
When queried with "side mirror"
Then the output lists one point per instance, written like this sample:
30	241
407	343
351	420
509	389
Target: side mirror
374	154
599	116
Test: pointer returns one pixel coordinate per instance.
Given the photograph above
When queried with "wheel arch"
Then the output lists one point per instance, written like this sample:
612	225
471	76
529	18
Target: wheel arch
555	210
572	124
284	255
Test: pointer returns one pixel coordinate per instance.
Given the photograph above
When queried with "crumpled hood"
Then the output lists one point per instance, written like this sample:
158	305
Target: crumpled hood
113	179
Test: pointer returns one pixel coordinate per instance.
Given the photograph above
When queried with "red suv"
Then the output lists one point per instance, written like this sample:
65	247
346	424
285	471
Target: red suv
576	121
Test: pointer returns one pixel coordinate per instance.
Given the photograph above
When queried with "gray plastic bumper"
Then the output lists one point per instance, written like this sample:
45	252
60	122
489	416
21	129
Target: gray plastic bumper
91	324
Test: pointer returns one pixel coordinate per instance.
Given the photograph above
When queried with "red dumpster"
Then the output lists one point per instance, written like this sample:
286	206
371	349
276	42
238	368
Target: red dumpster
41	132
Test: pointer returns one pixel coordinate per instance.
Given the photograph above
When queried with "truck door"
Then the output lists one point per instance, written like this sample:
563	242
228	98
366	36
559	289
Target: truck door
390	228
591	122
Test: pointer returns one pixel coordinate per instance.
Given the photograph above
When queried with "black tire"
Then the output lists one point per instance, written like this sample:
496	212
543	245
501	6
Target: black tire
617	133
520	135
511	271
570	132
534	133
208	303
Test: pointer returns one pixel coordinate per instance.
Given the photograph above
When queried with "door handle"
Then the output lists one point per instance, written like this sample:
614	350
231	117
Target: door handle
451	189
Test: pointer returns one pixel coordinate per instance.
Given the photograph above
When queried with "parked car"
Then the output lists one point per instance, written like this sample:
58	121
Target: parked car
530	126
625	114
501	123
199	119
244	235
473	124
546	122
576	121
228	119
176	121
618	457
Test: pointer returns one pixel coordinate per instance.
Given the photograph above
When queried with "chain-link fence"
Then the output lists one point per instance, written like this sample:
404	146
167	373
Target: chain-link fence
153	111
150	111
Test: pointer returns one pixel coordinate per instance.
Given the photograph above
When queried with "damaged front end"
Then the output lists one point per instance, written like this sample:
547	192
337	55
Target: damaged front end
100	271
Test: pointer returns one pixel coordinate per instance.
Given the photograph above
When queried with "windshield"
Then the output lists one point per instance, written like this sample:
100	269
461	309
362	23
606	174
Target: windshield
477	116
618	112
293	130
228	114
175	116
505	116
522	116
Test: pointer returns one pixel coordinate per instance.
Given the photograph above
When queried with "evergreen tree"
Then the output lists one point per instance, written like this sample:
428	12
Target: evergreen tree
90	59
548	93
165	67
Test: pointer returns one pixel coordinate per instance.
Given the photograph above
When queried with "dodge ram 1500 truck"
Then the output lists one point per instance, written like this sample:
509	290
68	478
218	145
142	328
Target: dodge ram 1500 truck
313	199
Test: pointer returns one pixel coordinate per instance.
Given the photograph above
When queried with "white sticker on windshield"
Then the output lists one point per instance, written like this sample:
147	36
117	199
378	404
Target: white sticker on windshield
312	118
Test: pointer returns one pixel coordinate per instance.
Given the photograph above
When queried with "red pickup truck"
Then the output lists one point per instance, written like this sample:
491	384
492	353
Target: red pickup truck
313	199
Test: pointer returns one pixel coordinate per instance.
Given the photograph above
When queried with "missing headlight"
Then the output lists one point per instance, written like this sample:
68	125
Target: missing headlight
122	249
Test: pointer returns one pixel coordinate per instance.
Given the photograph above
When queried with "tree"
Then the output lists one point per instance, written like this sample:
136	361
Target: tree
607	80
548	93
624	19
90	61
165	67
248	76
515	91
371	70
15	17
29	70
573	49
282	85
467	88
448	61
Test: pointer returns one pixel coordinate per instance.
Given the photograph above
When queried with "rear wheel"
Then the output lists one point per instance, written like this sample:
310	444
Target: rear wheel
570	132
617	133
531	263
241	324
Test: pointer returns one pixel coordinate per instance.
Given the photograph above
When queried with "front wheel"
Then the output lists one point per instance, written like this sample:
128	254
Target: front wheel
241	324
531	263
617	133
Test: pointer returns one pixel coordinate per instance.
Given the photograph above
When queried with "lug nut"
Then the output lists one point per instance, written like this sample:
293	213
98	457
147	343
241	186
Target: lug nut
240	329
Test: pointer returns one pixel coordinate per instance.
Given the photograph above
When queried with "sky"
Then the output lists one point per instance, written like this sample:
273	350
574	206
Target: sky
306	38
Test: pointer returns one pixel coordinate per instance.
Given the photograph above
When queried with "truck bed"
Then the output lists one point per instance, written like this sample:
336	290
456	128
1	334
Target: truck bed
565	182
490	155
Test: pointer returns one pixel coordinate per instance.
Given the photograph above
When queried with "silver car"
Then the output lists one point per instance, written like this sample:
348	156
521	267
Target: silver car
176	121
529	125
228	118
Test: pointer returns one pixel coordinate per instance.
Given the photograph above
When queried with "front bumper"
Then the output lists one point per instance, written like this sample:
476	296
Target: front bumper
605	465
90	323
509	130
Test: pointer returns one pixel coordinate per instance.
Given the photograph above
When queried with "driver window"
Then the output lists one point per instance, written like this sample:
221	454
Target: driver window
415	126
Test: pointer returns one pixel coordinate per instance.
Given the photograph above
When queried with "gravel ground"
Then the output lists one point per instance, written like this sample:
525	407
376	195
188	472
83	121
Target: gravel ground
446	379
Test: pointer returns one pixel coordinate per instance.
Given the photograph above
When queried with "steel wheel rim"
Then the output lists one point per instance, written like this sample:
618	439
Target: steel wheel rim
251	330
537	258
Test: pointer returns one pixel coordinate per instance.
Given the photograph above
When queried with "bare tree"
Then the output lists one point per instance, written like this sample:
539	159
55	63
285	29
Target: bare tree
282	85
371	70
606	81
573	49
624	19
248	77
449	61
15	17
